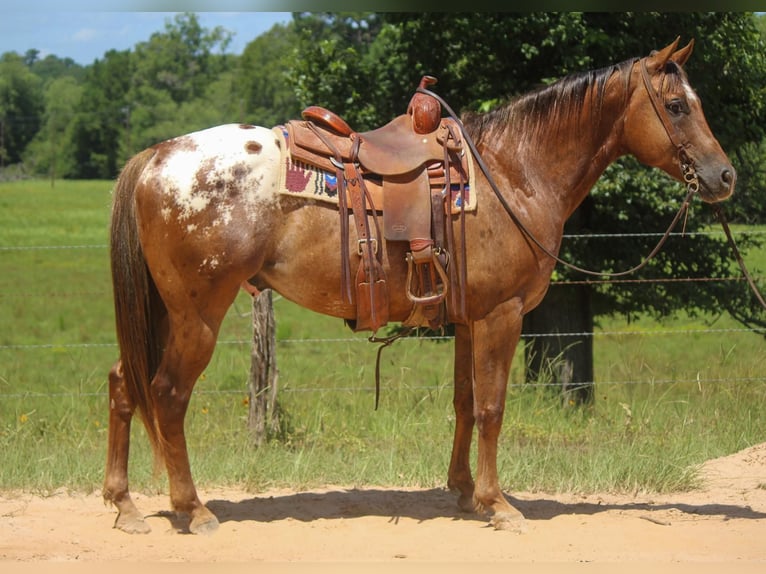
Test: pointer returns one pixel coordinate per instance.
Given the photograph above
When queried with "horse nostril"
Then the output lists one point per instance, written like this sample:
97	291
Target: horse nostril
727	176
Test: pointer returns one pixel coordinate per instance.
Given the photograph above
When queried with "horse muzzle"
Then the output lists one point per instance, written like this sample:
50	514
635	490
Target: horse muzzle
716	184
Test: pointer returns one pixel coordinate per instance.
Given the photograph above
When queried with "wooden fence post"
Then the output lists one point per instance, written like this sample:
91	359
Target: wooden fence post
263	419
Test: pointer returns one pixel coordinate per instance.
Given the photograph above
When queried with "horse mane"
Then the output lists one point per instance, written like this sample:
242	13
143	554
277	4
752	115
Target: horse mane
554	106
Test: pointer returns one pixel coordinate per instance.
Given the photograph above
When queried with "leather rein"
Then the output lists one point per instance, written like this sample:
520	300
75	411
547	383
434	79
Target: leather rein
689	177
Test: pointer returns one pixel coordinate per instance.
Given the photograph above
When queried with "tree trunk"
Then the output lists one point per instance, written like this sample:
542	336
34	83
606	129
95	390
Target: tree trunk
563	354
263	419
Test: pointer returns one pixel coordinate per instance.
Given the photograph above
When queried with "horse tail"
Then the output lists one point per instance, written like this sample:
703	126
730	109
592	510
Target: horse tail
137	304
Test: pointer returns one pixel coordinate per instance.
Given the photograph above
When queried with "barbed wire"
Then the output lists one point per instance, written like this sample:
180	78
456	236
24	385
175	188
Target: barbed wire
45	247
437	387
322	341
26	294
565	236
650	280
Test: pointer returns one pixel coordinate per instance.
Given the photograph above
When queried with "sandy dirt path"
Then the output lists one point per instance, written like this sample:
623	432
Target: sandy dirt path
723	522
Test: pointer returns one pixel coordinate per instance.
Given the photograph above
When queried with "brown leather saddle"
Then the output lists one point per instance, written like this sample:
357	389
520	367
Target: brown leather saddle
419	160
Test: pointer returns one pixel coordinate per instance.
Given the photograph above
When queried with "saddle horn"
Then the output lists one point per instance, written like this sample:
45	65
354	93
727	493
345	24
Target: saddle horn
425	110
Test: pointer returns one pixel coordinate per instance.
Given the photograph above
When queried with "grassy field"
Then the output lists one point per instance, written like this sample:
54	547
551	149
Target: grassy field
664	402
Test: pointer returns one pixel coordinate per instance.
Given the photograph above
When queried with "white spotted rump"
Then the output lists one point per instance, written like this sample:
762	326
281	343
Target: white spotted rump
226	167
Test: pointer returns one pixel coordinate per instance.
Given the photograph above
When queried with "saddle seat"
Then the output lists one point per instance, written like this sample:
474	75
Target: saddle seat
392	149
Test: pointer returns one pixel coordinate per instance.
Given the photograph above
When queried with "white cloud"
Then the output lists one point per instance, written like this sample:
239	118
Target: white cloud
85	35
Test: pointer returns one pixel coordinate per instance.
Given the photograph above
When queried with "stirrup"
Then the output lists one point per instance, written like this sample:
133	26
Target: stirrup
427	299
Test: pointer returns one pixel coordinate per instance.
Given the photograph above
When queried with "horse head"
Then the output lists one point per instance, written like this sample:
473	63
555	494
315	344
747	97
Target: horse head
665	126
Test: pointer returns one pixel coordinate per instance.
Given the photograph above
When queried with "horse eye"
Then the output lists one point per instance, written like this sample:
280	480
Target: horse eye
676	107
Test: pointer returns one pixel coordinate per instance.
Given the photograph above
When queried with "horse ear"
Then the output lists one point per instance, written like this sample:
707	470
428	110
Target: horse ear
681	56
658	59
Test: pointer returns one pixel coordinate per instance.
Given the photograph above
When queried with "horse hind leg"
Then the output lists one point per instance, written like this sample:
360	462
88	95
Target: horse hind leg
184	359
115	491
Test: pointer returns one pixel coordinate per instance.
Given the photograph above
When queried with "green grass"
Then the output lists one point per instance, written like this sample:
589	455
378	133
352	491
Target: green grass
664	402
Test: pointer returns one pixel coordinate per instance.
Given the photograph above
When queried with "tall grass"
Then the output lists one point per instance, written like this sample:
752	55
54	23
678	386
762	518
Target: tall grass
664	403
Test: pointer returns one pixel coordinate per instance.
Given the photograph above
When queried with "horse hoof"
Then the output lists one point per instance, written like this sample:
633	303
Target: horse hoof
205	525
509	522
132	524
466	504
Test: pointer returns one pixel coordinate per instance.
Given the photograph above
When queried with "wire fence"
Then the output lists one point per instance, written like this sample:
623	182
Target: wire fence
287	341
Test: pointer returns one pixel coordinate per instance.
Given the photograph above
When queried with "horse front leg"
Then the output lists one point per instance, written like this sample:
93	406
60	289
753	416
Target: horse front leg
459	476
494	340
115	491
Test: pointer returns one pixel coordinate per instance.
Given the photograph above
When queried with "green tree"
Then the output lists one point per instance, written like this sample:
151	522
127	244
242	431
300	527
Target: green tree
265	92
181	60
21	107
334	66
52	67
132	100
50	153
101	121
179	81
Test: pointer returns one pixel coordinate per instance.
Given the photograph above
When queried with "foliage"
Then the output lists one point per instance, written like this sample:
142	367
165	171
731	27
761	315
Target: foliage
99	121
21	103
334	66
263	78
49	151
180	60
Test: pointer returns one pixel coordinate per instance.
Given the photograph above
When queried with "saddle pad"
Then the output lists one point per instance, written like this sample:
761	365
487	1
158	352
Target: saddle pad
299	179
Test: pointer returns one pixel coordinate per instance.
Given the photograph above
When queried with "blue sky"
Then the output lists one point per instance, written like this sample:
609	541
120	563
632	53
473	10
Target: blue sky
85	32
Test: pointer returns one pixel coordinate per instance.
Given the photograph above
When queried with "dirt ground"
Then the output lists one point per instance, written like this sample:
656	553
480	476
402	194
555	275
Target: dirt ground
723	522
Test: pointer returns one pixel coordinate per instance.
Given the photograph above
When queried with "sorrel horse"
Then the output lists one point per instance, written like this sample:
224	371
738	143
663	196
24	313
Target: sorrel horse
196	216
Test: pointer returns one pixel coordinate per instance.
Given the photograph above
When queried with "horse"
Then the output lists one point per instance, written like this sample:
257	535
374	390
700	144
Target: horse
196	216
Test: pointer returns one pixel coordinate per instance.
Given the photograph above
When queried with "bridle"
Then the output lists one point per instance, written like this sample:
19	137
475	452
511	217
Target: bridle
691	180
686	163
687	169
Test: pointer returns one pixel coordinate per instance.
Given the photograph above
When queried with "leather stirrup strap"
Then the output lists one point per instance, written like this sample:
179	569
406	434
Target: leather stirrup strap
345	270
371	291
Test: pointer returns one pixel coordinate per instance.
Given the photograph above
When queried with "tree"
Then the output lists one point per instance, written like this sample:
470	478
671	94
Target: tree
179	81
132	100
52	67
181	60
50	153
21	107
99	124
263	87
334	66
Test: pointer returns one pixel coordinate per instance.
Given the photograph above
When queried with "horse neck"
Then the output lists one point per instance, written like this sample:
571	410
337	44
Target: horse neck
563	156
